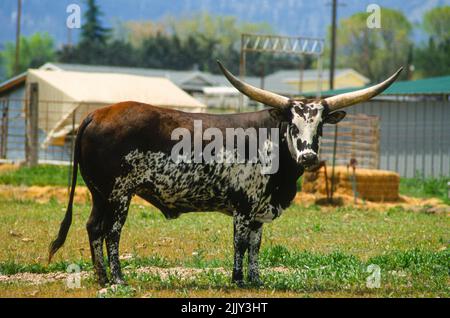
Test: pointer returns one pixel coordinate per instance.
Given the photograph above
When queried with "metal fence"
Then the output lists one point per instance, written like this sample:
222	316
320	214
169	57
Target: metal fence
57	123
357	137
12	129
414	135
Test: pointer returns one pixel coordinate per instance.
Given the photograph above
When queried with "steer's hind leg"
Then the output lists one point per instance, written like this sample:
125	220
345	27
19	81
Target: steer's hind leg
95	229
253	252
113	239
241	244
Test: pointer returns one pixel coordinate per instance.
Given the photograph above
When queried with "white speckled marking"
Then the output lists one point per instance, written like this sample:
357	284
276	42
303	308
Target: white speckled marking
195	187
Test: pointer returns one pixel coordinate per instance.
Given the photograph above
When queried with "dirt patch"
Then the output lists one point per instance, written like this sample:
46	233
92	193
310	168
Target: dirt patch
6	167
163	273
37	279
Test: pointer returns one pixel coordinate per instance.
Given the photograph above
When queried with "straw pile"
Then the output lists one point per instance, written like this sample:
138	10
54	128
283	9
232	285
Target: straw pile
372	185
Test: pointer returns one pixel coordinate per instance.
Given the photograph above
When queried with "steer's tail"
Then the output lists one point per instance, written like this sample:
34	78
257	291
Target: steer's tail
65	224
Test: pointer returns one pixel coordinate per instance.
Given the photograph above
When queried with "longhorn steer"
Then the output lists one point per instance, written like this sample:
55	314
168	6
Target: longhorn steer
125	150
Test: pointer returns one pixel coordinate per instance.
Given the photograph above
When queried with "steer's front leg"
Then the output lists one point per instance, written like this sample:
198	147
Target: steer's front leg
241	244
253	252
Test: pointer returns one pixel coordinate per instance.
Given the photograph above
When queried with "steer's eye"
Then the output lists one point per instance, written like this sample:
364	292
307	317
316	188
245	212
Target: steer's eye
295	131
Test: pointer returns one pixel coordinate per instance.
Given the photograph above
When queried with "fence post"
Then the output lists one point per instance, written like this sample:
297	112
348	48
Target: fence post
4	130
32	130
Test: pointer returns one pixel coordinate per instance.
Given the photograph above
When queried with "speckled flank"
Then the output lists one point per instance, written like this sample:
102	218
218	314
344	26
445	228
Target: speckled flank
183	187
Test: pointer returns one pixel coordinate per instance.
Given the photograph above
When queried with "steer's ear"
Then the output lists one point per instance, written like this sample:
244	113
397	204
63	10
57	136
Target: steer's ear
335	117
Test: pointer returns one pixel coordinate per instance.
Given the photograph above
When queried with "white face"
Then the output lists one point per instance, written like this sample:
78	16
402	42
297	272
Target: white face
305	131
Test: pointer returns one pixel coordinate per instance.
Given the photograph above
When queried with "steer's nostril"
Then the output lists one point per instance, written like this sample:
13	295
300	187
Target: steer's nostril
309	159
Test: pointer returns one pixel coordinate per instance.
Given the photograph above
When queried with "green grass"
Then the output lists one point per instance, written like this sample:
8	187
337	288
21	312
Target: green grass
335	272
42	175
402	273
321	252
425	187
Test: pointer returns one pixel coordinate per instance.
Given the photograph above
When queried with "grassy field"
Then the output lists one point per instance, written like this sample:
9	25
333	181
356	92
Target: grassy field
42	175
308	252
425	188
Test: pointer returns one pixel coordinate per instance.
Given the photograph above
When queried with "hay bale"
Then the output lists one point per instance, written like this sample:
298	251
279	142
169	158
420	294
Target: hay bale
372	185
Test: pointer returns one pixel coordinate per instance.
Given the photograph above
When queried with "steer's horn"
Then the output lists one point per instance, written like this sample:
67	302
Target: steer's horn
257	94
348	99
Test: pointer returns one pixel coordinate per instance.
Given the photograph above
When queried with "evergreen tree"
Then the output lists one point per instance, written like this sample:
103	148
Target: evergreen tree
93	47
92	30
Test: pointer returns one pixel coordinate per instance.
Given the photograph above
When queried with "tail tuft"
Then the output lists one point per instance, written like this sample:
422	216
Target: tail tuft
62	234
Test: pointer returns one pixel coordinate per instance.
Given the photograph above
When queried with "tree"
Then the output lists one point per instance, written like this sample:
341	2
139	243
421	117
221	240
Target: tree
93	46
92	30
226	30
374	52
198	41
433	59
436	23
35	50
136	32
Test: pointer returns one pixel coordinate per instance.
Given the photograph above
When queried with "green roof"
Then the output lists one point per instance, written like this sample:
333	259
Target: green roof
427	86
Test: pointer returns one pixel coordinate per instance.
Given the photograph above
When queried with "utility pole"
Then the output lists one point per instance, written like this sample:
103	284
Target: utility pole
333	43
69	37
332	66
262	73
19	16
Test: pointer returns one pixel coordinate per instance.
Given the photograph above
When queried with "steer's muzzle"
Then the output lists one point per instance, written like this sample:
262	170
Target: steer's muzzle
309	160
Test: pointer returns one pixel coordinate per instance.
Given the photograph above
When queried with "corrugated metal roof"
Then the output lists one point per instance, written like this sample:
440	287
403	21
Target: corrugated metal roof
428	86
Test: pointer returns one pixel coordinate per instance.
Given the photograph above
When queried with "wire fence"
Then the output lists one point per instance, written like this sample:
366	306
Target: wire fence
57	125
357	138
